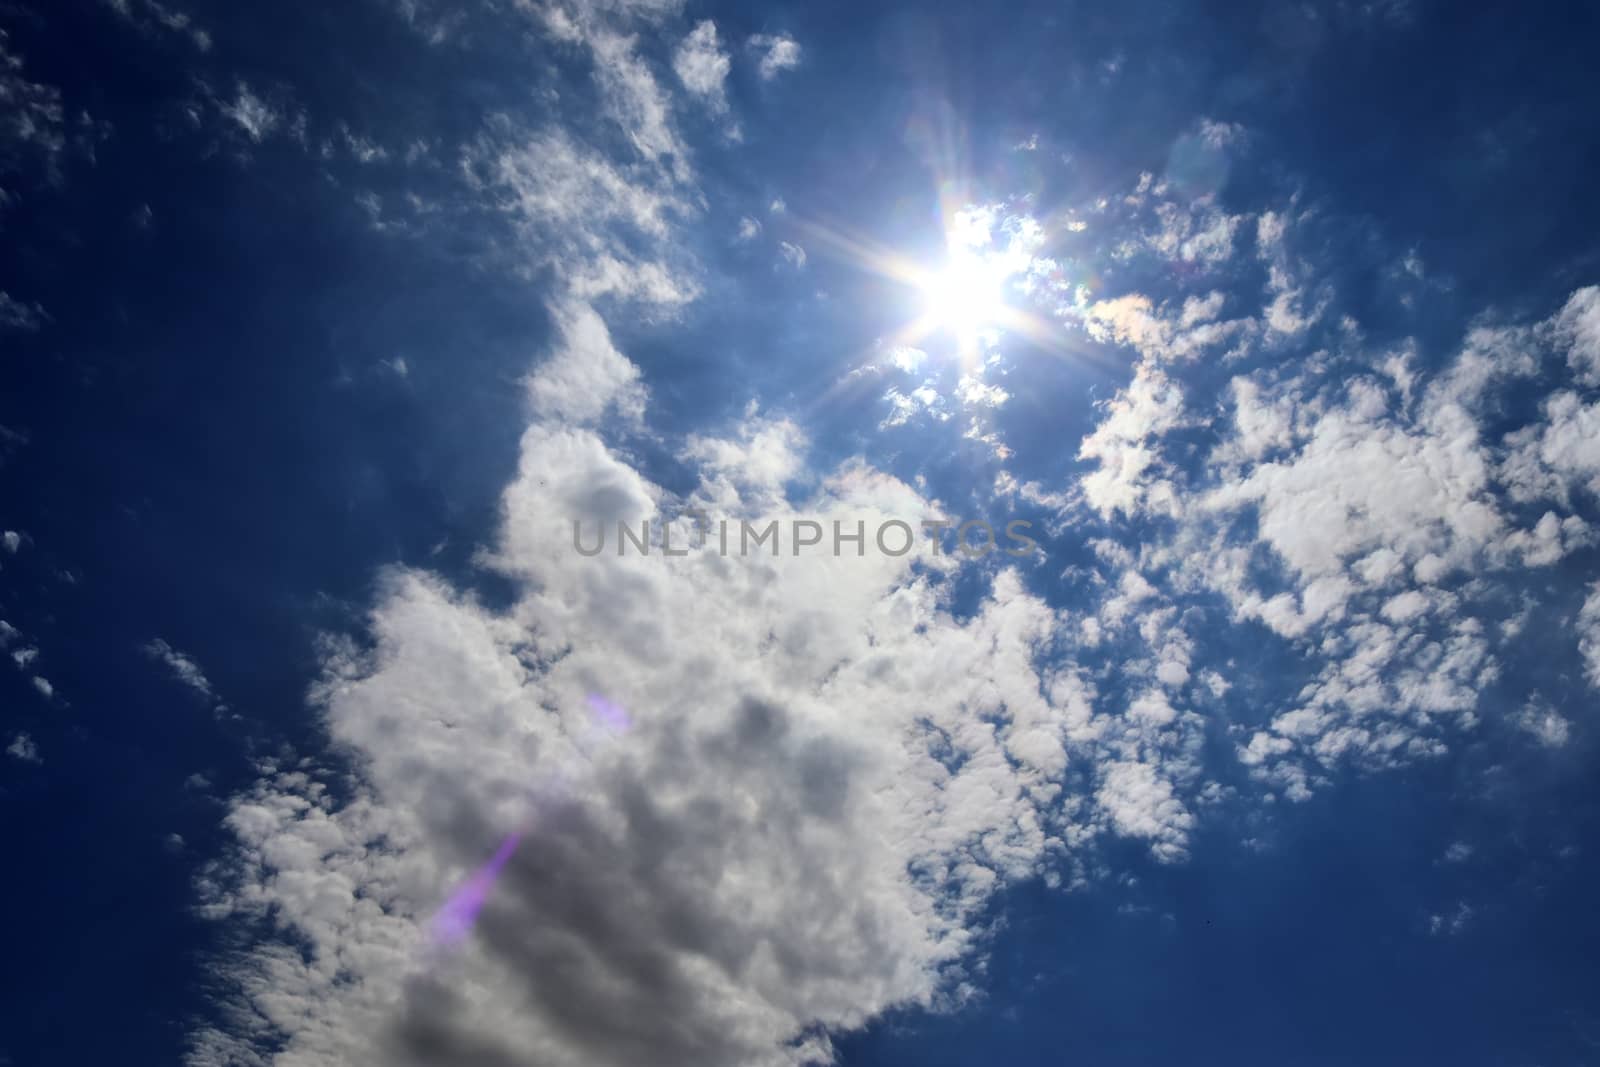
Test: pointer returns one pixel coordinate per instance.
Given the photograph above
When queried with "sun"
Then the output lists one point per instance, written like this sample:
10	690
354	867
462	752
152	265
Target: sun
966	296
984	287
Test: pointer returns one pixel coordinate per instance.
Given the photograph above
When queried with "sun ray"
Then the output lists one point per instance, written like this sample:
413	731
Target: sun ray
979	291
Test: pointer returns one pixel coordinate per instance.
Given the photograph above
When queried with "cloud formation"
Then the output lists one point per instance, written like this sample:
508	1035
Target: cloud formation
831	766
702	66
779	52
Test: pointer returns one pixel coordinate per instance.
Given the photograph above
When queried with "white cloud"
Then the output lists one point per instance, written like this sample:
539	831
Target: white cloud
1353	507
150	16
1589	634
425	18
1129	477
904	406
31	122
1576	327
1547	725
182	667
582	217
751	468
830	772
828	776
1205	237
792	254
43	686
253	114
630	94
1202	309
817	795
20	316
635	101
1552	458
1385	518
1362	482
1287	314
586	376
779	52
1142	804
1452	922
11	541
907	358
22	748
977	393
702	66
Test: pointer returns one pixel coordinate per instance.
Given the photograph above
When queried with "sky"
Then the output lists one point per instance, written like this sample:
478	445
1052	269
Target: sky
342	345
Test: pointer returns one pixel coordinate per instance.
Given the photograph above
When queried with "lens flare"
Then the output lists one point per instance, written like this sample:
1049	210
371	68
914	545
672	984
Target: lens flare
967	297
453	923
611	715
455	920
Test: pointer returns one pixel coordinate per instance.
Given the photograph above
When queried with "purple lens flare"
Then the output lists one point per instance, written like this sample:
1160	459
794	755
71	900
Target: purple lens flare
456	918
609	713
459	914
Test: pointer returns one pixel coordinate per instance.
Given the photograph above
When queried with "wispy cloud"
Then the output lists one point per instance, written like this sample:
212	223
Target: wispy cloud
16	315
22	747
181	666
151	16
778	53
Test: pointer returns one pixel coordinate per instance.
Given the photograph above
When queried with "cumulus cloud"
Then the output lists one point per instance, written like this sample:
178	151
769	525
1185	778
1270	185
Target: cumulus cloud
1141	803
1576	327
827	776
1352	505
1553	458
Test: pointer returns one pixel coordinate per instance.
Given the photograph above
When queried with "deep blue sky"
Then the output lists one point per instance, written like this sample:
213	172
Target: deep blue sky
207	442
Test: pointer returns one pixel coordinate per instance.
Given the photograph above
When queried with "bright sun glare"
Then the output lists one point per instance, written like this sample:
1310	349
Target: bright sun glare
980	291
967	296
